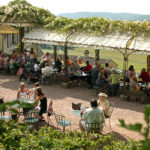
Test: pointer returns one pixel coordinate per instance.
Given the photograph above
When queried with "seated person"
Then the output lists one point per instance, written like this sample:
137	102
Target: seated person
22	92
46	58
132	83
72	73
58	64
76	65
46	71
104	104
113	85
92	115
68	61
148	90
88	67
144	75
79	60
93	76
101	78
138	94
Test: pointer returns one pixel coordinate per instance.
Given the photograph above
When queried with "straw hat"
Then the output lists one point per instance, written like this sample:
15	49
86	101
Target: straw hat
102	95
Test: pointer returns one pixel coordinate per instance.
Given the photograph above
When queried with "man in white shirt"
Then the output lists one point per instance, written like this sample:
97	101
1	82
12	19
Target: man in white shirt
46	71
92	115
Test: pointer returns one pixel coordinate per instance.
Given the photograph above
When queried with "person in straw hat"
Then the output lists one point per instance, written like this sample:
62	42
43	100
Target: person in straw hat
104	104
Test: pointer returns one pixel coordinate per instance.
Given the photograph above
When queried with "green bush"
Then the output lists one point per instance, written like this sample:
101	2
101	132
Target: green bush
138	127
16	136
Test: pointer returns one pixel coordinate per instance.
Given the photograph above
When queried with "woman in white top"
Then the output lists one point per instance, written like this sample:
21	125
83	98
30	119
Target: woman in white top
22	92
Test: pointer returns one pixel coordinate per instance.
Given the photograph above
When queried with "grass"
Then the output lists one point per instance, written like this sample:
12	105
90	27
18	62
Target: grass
137	60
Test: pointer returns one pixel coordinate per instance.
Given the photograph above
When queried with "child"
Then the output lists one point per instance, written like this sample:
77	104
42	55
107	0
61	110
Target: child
21	73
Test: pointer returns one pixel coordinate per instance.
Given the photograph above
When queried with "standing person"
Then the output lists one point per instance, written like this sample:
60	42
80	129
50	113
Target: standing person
113	85
32	56
129	73
101	78
107	70
104	104
43	102
92	115
21	72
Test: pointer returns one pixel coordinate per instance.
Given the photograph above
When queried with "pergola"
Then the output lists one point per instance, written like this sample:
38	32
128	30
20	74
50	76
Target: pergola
124	43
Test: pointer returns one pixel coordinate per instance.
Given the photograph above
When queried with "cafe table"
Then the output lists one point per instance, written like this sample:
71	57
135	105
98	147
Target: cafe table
78	112
24	104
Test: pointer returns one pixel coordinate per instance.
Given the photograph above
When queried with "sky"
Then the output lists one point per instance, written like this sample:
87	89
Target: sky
65	6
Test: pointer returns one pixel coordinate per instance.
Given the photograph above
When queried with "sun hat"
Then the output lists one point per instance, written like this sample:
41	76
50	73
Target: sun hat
102	95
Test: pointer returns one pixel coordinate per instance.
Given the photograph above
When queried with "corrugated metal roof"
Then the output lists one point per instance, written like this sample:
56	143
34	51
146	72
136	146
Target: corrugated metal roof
43	36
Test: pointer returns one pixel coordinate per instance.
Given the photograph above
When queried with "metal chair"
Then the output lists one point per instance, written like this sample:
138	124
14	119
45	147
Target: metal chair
61	120
93	127
3	110
32	118
111	109
46	79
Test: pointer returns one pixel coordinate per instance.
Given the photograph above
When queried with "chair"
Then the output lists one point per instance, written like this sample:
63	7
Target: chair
32	118
111	109
93	127
97	88
46	79
3	110
61	120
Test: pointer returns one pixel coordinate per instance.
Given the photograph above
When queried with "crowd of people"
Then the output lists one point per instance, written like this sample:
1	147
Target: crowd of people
29	67
139	89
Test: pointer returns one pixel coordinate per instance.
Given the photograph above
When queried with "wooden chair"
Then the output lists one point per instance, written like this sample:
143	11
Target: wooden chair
93	127
111	109
61	120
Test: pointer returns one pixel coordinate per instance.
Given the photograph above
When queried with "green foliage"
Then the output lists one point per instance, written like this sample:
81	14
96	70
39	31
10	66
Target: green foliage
99	26
15	135
145	131
23	12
